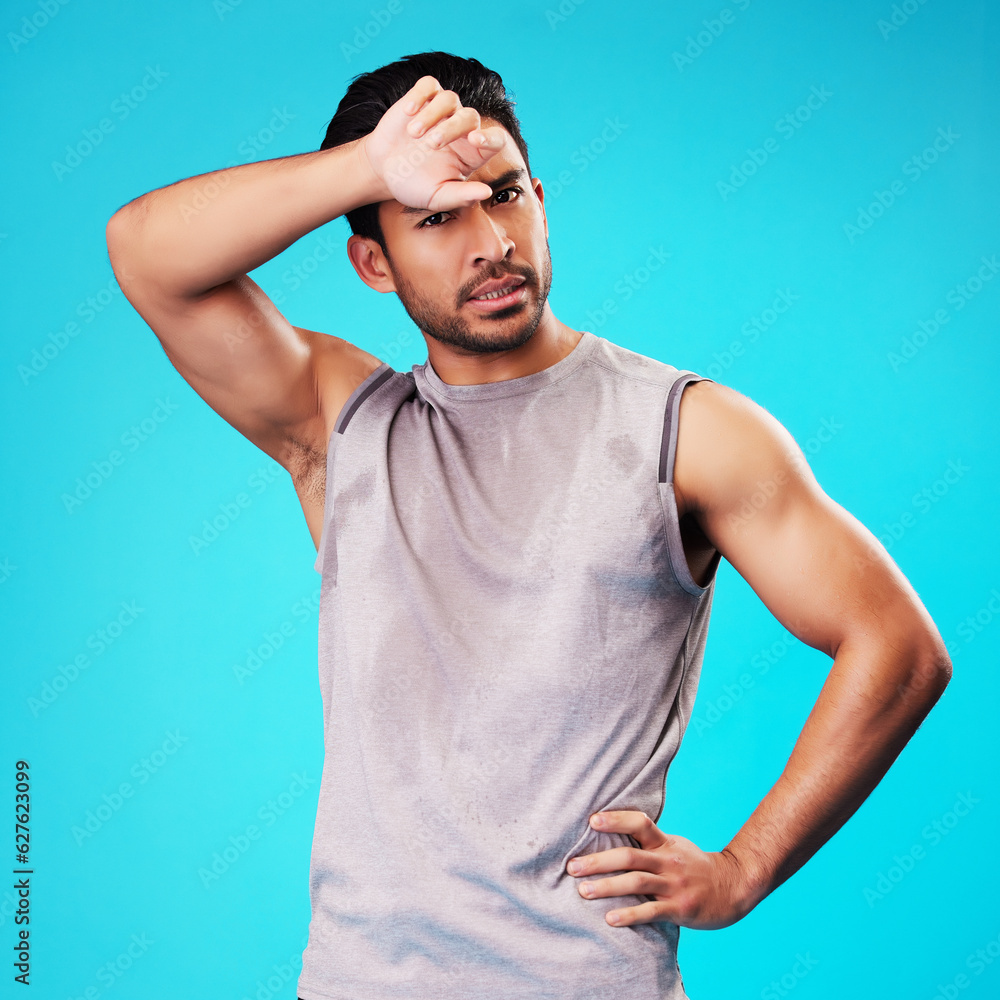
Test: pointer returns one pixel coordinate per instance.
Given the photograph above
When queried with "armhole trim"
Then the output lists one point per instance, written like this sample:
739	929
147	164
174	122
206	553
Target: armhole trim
668	451
668	439
372	382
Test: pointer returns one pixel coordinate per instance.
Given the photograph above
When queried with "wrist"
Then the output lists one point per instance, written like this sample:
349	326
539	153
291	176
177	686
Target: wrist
371	184
750	884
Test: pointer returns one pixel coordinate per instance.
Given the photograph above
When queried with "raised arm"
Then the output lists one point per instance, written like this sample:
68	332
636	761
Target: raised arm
181	254
829	581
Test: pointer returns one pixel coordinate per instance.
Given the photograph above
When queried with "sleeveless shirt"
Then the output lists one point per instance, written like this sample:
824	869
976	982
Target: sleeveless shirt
510	640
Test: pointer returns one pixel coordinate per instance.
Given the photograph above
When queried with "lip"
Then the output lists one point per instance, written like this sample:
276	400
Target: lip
502	302
495	284
515	295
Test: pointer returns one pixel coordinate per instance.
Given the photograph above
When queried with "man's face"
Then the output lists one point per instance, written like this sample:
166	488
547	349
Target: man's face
440	261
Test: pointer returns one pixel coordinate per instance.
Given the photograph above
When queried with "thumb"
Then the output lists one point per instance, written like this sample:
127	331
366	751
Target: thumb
453	194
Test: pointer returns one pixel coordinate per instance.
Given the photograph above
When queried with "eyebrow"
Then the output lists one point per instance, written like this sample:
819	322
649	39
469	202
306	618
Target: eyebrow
505	179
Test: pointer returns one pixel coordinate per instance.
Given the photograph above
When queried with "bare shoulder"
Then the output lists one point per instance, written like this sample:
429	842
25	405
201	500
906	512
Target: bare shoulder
340	368
726	443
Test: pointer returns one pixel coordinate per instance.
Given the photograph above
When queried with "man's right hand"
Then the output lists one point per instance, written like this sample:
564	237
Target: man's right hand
425	147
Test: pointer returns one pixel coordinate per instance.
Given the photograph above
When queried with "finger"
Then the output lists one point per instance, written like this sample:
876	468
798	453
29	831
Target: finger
633	822
419	94
487	140
455	126
612	860
635	883
477	147
442	104
454	194
644	913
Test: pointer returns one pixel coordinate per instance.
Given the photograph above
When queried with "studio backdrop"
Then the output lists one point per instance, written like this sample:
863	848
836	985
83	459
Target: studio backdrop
797	200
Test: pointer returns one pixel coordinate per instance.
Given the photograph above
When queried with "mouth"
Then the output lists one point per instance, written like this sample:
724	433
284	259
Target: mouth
500	294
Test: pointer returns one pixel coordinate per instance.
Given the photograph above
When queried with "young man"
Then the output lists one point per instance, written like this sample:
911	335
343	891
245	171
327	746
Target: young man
518	543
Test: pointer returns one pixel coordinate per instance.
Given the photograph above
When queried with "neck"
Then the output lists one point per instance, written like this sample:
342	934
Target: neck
551	342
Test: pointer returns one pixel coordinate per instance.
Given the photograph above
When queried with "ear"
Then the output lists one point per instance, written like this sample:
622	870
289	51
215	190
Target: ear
369	261
540	195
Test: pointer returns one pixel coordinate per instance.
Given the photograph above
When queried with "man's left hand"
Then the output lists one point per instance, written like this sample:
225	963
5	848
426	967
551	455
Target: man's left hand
692	887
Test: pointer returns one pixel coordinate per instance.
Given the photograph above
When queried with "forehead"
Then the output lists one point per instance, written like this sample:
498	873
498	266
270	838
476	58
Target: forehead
501	166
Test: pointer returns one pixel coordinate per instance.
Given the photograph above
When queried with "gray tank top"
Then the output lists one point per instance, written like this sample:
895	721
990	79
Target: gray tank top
509	640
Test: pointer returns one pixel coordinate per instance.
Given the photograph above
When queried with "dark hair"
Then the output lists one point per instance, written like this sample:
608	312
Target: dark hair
370	95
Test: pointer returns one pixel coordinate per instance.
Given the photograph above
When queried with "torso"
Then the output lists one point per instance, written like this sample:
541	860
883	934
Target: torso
307	467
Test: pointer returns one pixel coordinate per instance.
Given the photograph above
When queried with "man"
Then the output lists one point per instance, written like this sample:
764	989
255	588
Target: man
518	543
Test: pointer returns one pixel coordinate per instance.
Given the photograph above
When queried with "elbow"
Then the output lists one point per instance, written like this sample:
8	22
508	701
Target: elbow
936	661
116	234
918	656
122	235
929	674
945	669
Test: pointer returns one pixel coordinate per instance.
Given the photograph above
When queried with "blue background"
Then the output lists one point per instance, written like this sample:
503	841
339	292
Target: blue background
213	85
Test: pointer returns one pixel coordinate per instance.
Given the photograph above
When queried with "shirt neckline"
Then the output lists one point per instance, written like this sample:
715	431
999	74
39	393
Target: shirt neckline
428	378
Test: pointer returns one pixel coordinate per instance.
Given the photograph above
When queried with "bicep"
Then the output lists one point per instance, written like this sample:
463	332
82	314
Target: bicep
819	571
237	351
280	386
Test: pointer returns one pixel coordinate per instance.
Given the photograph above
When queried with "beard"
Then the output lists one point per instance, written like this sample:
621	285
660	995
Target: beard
507	329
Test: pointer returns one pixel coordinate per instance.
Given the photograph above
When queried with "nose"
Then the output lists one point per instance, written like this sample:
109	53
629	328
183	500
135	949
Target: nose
488	241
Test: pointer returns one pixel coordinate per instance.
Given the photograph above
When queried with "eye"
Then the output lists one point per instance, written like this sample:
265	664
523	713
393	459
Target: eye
511	191
424	223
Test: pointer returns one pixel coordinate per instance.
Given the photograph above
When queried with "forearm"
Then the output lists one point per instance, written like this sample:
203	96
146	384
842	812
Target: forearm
874	699
205	230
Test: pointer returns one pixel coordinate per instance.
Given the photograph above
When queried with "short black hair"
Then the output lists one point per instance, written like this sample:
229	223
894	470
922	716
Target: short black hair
370	95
